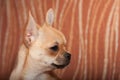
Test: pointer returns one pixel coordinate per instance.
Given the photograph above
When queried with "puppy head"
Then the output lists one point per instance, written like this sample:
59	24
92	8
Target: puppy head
46	45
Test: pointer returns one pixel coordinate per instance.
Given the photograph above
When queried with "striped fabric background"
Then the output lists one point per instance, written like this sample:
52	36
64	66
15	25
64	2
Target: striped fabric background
92	29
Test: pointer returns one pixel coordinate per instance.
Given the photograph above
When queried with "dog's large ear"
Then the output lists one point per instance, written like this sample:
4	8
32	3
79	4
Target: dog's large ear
50	17
31	31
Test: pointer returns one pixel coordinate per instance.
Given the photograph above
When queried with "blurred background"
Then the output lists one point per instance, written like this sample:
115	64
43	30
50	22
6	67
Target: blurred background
92	29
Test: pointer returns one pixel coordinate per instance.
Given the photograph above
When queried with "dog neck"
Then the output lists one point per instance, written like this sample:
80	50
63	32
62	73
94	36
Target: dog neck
32	69
27	68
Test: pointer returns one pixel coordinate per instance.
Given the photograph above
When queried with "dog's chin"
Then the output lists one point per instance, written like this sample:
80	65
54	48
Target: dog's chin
60	66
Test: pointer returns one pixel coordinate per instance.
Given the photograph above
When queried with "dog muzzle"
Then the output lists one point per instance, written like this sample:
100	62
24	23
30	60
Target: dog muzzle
67	57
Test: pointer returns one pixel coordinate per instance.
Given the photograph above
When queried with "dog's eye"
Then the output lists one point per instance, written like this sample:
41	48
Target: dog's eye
54	48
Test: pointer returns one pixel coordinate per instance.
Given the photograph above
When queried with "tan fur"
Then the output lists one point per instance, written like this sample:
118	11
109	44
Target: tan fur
35	58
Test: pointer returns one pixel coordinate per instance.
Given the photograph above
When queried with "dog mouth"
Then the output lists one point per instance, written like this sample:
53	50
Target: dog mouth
60	66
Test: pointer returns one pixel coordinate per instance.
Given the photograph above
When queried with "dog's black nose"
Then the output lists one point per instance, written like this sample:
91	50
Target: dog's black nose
67	55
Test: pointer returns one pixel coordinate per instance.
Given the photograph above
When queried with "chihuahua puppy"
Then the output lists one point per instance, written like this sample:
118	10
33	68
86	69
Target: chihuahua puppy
43	50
